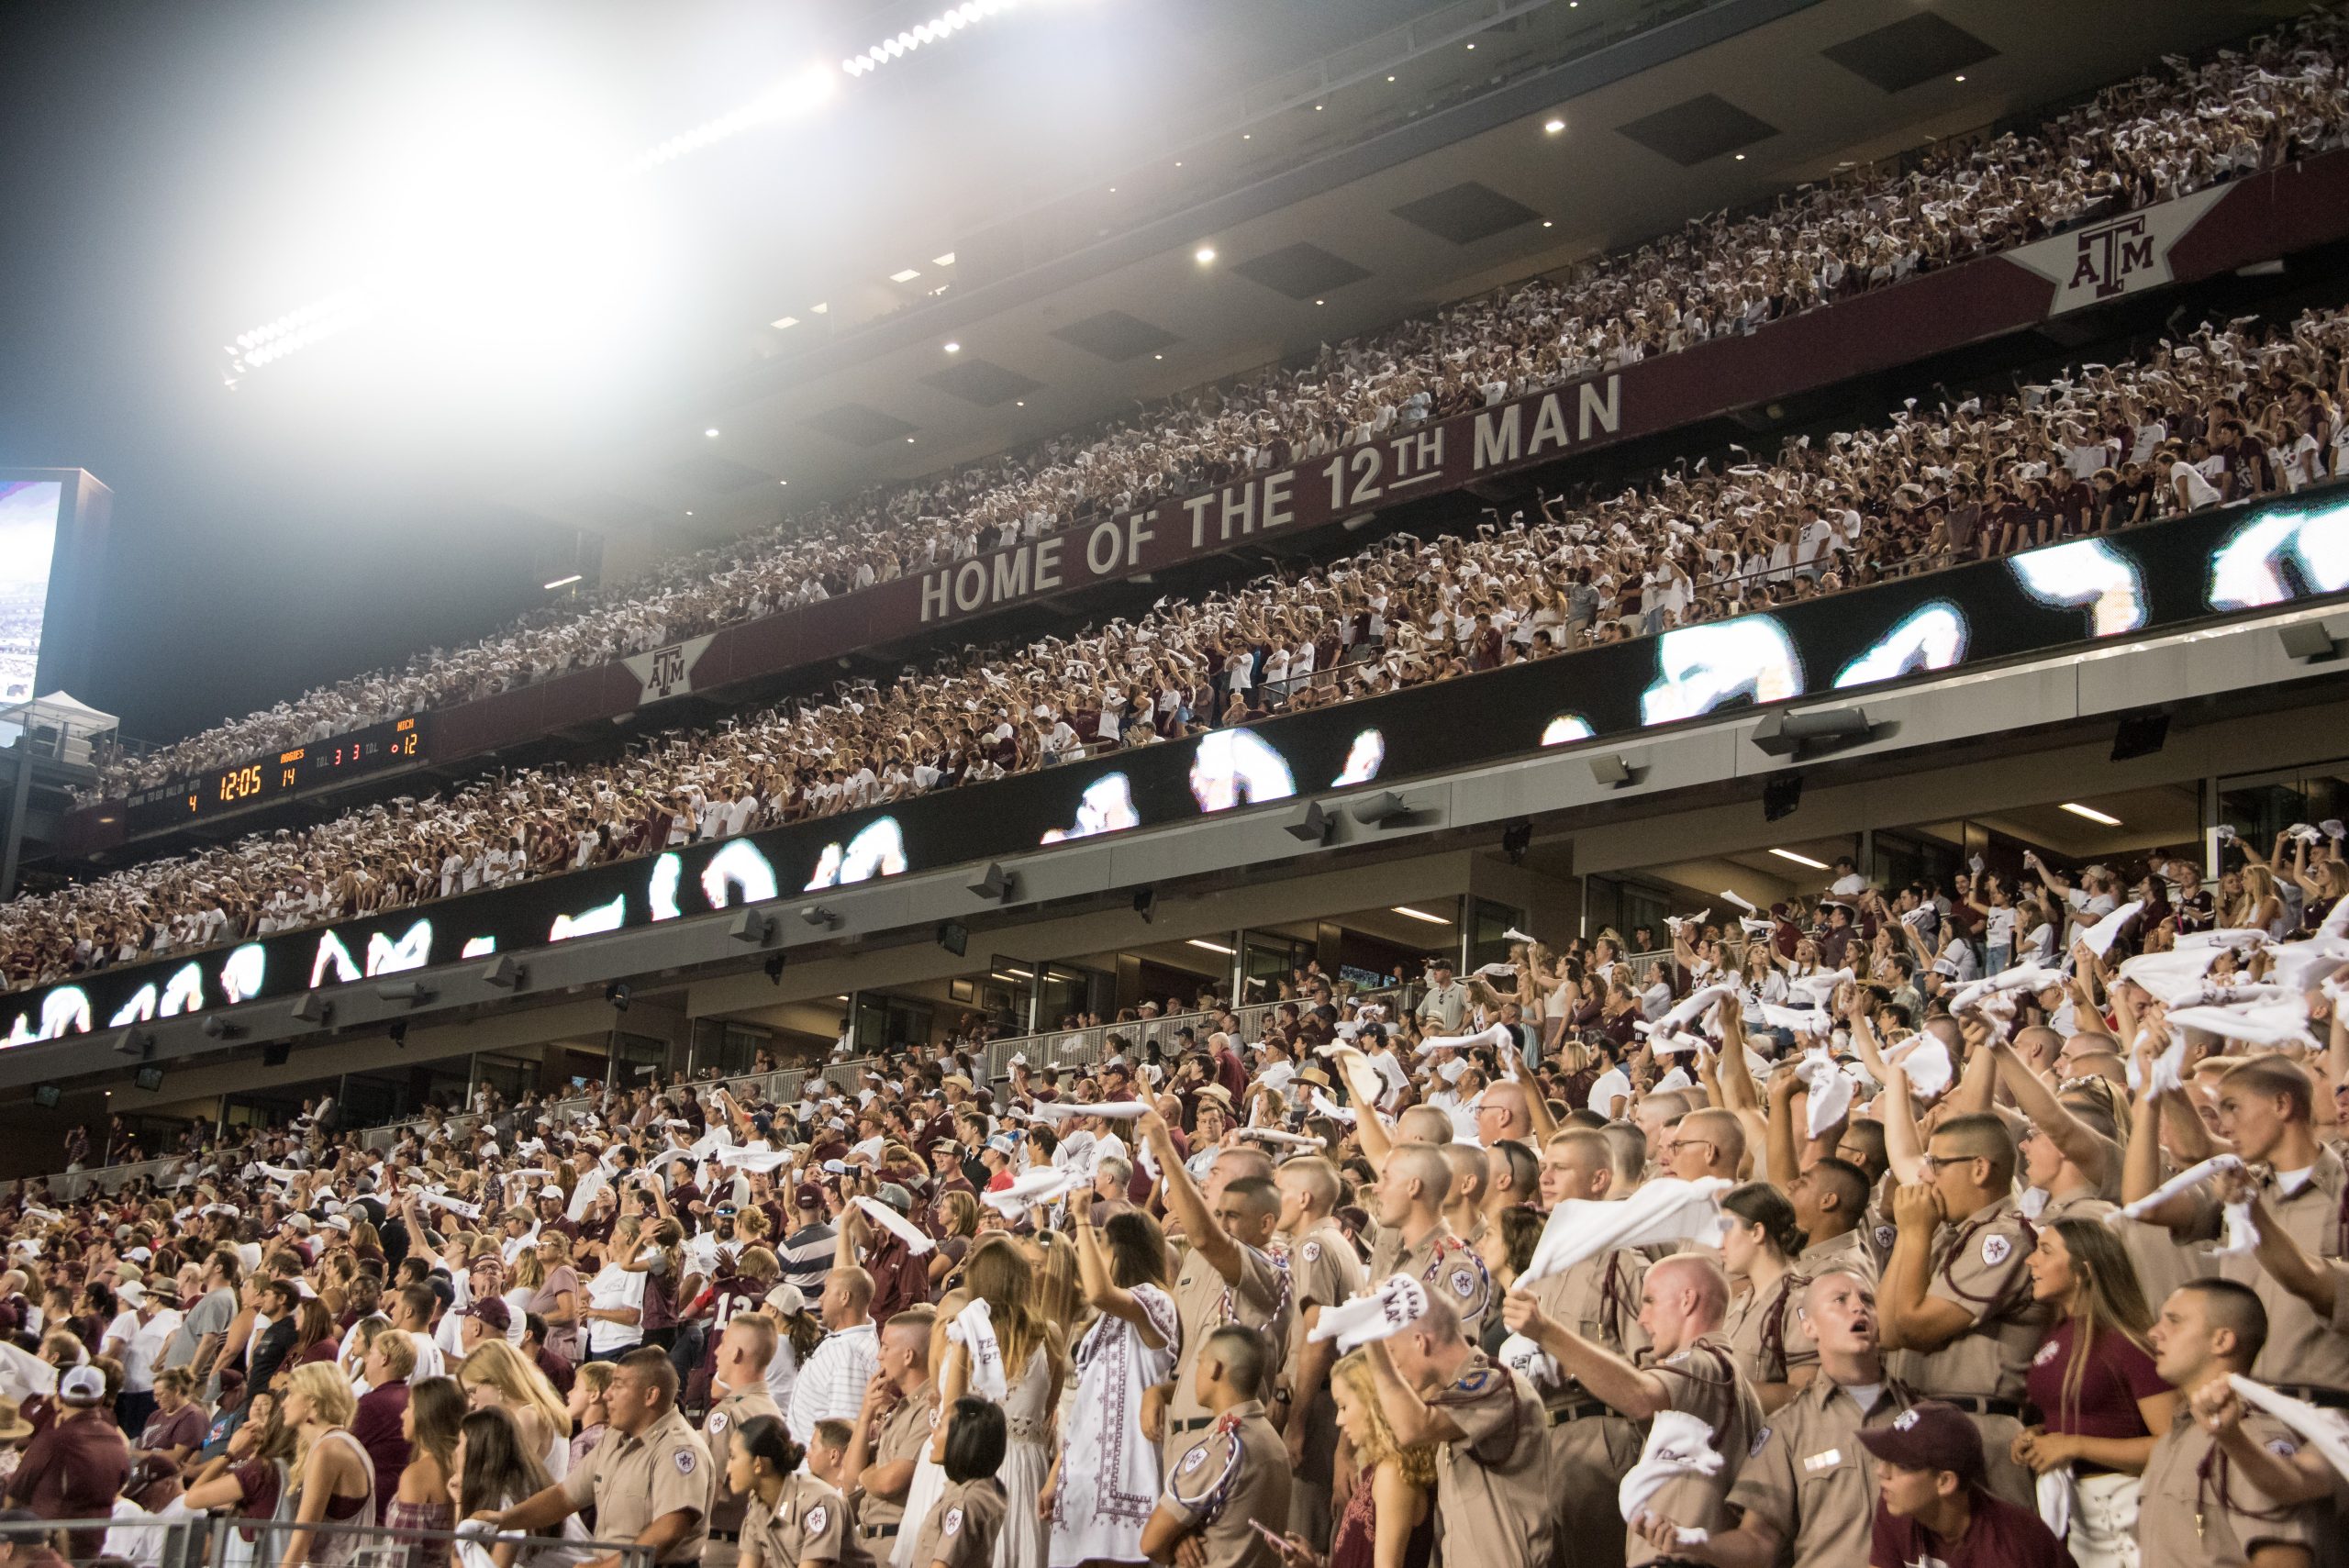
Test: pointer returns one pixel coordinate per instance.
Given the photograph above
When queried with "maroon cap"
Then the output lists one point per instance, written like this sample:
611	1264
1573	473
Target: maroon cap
807	1194
1930	1435
493	1311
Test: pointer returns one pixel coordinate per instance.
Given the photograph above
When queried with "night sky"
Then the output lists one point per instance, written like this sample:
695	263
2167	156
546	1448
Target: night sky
174	173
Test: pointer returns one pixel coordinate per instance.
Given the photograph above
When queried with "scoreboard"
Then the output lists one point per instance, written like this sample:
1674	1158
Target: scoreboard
377	748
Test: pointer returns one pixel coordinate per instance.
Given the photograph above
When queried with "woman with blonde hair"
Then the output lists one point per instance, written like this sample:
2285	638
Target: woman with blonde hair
545	1267
496	1377
329	1478
1389	1518
958	1214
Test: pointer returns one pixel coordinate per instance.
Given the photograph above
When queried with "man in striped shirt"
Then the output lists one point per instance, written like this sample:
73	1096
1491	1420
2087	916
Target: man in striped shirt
808	1253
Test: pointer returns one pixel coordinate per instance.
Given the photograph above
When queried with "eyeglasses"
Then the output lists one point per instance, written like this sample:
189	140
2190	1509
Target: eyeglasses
1932	1162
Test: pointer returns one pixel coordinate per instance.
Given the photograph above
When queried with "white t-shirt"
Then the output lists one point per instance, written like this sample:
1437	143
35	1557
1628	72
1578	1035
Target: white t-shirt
613	1289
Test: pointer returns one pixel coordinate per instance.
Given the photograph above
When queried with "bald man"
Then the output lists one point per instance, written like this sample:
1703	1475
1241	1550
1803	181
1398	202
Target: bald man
1323	1272
1508	1111
1705	1143
1592	1447
1463	1207
1681	1302
1414	1239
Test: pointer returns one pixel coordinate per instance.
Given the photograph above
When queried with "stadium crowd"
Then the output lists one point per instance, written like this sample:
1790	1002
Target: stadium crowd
1996	1221
2228	413
2152	137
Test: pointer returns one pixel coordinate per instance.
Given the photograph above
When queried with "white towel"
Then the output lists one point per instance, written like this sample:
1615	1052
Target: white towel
2100	936
1398	1302
1830	1092
1678	1444
2170	976
1926	1062
747	1158
1820	988
1665	1209
1044	1185
2059	1492
1115	1110
1495	1037
897	1224
973	1329
2021	977
2242	937
2328	1431
1325	1105
443	1200
1734	902
1526	1356
2241	1237
1274	1136
1692	1007
2272	1023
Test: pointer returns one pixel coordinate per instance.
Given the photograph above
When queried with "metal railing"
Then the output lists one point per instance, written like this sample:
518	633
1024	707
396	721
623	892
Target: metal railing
1046	1048
207	1541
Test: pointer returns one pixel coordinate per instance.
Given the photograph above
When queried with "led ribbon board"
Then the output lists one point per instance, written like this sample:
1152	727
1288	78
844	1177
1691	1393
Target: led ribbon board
2237	560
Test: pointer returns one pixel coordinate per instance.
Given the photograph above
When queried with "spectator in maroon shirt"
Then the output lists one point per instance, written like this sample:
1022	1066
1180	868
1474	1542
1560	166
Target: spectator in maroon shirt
1932	1505
77	1469
378	1423
899	1279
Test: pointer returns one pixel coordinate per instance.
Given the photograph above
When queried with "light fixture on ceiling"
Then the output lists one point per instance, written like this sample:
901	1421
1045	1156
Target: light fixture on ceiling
1021	404
906	276
1472	46
1204	254
1406	910
1208	946
909	441
711	433
1247	136
1548	223
1554	126
563	582
782	482
819	308
1390	79
784	323
953	348
2102	819
1961	76
945	261
1158	356
1741	158
1320	302
1801	860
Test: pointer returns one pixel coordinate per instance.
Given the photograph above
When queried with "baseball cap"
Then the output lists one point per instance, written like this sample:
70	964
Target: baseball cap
493	1311
132	1292
1930	1435
807	1194
897	1197
787	1299
82	1387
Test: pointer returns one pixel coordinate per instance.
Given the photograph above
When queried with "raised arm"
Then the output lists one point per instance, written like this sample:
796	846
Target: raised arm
2037	1101
1187	1204
1636	1392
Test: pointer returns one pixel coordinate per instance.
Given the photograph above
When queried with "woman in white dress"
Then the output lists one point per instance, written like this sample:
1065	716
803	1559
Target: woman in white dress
1097	1506
1014	1336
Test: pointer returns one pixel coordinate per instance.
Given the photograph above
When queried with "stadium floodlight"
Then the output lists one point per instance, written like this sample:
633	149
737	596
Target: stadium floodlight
792	97
932	31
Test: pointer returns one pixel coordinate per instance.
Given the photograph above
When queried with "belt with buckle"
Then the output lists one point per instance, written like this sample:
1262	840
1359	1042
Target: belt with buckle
1975	1405
876	1533
1559	1415
1193	1423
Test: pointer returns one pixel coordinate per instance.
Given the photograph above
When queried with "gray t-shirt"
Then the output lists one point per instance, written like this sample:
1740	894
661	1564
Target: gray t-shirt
212	1316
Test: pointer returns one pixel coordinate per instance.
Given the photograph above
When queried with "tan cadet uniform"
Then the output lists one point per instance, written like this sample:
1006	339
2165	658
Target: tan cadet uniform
1324	1271
1232	1476
2303	1353
718	1429
1847	1253
2189	1516
963	1526
904	1433
633	1481
809	1522
1810	1479
1980	1265
1261	1300
1592	1447
1769	1334
1704	1380
1443	1262
1493	1502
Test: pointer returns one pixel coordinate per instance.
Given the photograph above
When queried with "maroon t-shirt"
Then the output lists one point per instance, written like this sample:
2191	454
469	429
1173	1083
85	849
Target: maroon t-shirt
2119	1373
2001	1536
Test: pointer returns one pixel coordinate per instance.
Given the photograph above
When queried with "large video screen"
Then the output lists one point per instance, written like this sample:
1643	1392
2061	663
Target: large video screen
2237	560
28	545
